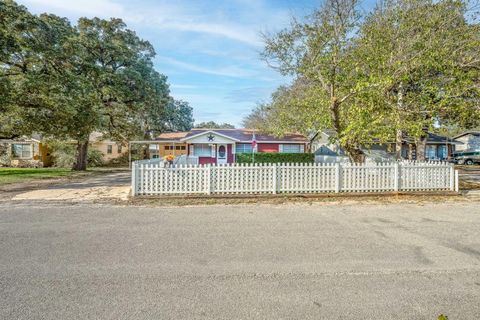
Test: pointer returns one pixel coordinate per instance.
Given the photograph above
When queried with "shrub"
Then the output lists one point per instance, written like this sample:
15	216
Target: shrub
263	157
94	158
64	155
4	155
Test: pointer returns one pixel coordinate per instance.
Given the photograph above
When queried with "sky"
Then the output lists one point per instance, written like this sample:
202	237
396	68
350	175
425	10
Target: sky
209	50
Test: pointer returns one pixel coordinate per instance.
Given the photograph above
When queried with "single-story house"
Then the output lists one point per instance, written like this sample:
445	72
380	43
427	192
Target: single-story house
24	152
437	148
219	146
469	140
34	152
110	149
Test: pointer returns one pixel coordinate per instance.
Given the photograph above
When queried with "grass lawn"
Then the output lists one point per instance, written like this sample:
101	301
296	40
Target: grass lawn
12	175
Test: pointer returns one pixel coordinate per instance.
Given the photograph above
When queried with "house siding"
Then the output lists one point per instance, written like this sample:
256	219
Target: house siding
207	160
469	142
102	146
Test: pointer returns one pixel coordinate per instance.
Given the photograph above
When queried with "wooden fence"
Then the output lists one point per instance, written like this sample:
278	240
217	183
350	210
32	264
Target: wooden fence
152	177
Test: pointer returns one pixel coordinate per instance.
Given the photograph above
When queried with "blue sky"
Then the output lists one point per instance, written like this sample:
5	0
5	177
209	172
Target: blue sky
208	49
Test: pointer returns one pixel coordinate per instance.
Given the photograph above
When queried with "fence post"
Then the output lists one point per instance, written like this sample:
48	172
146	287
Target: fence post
457	187
396	187
338	177
452	179
274	177
208	179
134	177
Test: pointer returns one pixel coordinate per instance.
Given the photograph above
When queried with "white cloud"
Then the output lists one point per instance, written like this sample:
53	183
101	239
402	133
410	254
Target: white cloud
230	71
165	15
228	31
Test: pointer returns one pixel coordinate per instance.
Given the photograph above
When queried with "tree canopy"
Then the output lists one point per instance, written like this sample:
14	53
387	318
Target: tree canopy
214	125
68	81
405	67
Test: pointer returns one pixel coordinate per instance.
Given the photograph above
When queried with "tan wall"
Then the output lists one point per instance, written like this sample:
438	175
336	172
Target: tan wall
45	155
102	146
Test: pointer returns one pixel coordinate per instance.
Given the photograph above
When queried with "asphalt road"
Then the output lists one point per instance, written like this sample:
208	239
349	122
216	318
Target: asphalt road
395	261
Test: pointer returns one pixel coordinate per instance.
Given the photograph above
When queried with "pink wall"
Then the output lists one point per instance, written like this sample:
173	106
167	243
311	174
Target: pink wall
268	147
230	154
207	160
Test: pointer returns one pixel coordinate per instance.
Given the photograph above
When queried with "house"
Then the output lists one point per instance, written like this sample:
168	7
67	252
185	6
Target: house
34	152
469	140
24	152
219	146
110	149
437	148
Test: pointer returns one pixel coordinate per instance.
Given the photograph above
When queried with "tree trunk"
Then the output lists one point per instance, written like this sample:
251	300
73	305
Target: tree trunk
355	154
421	148
146	148
410	152
82	151
146	152
398	144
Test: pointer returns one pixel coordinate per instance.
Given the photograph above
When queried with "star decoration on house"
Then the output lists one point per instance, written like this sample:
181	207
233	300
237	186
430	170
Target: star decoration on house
211	137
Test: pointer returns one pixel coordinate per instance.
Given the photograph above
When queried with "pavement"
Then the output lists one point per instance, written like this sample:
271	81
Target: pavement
469	173
322	261
115	185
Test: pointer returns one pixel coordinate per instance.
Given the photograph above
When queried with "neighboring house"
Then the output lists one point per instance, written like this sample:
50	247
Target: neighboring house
437	148
110	149
31	151
24	152
219	146
469	140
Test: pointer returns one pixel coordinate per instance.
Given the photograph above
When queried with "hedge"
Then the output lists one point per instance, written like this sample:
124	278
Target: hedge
262	157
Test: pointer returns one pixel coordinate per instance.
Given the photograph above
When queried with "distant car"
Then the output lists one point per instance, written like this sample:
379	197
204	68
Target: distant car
467	157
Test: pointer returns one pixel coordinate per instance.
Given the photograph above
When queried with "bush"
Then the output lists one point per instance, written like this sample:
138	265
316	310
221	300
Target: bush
64	155
95	158
4	155
264	157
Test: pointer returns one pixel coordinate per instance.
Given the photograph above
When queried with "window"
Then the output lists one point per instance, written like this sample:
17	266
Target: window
175	148
243	148
404	151
119	149
442	152
202	150
431	152
109	149
291	148
23	151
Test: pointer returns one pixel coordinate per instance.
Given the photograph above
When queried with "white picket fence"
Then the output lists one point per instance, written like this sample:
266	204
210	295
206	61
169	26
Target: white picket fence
150	178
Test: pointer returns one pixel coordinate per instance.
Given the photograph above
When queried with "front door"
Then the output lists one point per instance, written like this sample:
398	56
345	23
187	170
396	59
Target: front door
222	154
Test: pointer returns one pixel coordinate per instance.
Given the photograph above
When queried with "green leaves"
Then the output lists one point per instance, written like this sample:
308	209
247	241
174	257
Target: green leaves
409	65
68	81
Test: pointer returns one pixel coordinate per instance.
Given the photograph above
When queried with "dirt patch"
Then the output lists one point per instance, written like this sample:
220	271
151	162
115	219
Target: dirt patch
309	199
